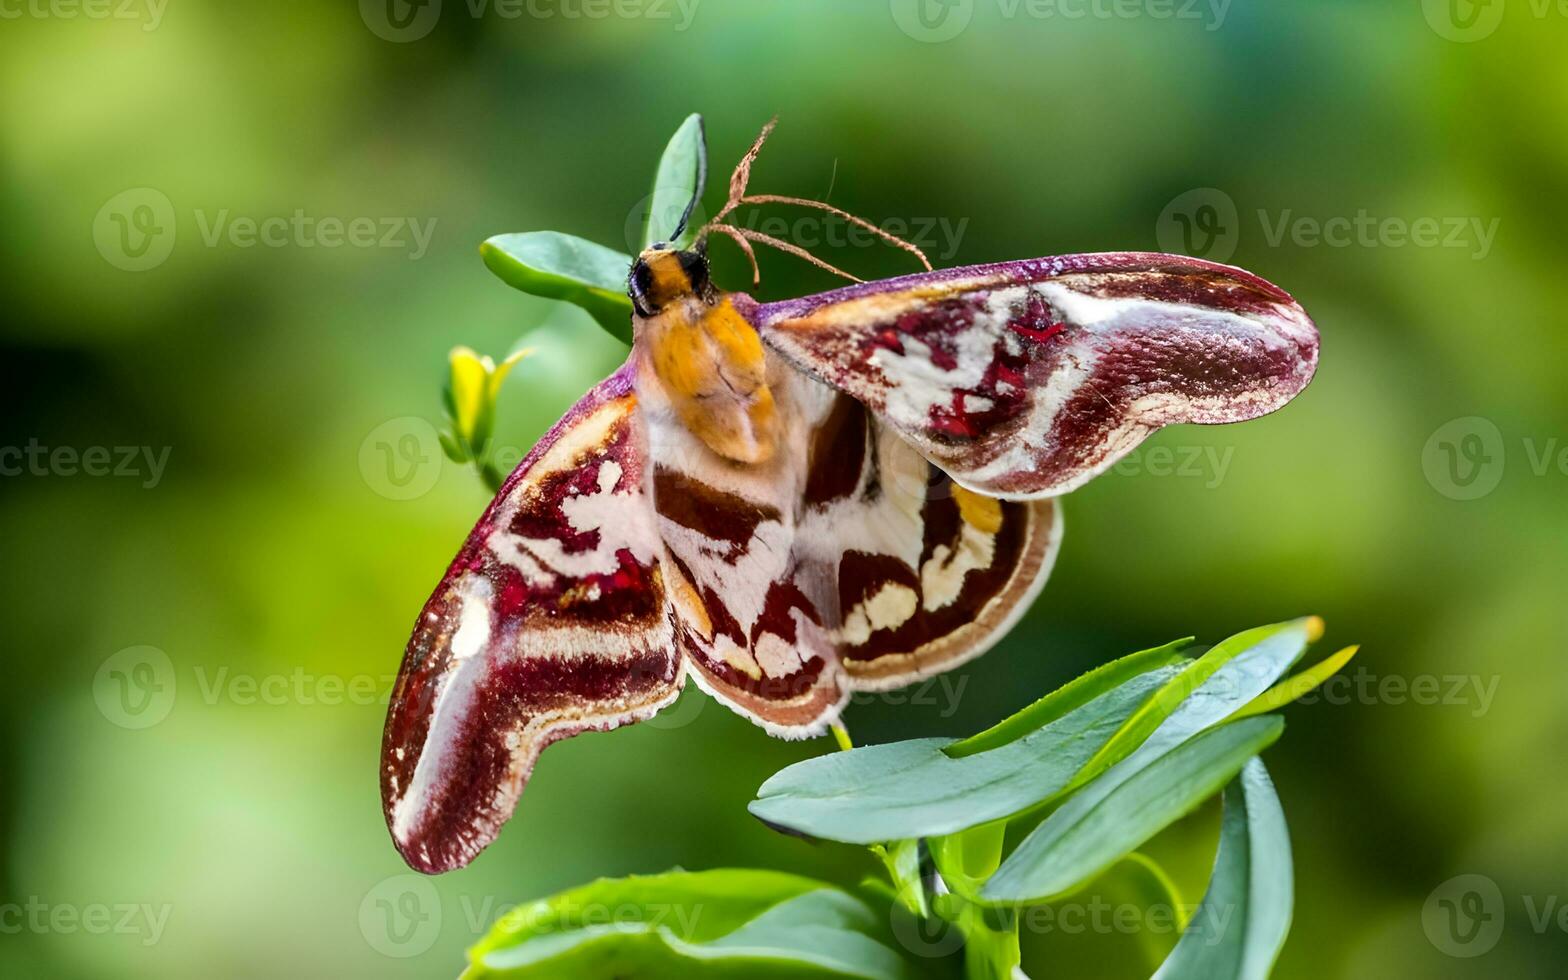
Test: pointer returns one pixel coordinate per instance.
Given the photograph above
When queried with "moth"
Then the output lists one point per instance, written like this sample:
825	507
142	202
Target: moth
790	502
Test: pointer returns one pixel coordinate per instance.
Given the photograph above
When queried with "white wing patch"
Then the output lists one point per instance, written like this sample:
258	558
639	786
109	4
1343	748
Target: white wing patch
942	577
544	561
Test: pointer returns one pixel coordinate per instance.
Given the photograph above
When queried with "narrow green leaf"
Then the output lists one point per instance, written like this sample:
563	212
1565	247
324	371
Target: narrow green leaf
901	858
913	789
1241	925
1264	645
1092	831
1234	672
677	186
1292	688
1074	694
714	925
564	267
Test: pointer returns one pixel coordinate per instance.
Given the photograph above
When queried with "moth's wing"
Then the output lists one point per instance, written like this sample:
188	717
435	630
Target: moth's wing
551	621
926	574
845	562
754	624
1026	379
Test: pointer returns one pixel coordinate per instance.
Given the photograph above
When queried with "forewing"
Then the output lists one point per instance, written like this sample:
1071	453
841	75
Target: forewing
1026	379
551	621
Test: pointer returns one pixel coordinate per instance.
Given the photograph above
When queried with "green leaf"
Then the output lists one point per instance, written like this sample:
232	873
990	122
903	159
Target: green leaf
1209	691
991	948
1241	925
968	857
1291	688
914	789
713	925
1272	649
564	267
902	860
677	186
1074	694
1093	830
453	447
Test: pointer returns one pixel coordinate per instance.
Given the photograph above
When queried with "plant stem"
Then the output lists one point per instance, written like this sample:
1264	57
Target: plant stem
841	736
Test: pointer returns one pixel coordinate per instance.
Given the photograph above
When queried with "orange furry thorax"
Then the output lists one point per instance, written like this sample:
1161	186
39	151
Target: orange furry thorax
711	365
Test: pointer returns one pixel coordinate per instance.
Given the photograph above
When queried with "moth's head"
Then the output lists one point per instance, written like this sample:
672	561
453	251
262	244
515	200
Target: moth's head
664	274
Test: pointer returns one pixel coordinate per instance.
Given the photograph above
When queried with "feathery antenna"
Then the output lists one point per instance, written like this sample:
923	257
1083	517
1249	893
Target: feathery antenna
745	236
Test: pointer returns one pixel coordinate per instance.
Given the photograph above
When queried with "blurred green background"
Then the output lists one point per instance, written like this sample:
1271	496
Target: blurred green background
210	807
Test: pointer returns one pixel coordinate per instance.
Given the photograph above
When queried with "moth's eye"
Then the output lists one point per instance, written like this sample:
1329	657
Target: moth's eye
641	283
695	265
